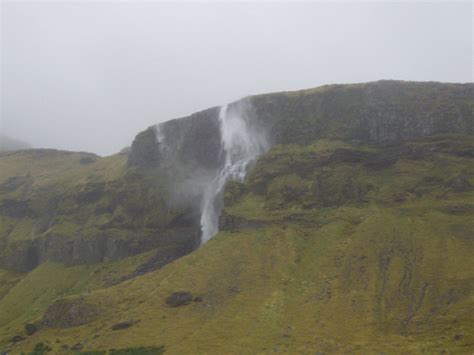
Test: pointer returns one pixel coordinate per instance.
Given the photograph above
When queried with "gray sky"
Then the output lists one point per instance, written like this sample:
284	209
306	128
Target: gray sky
89	76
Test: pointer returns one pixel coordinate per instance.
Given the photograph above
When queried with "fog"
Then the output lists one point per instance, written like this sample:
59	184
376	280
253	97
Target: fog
90	75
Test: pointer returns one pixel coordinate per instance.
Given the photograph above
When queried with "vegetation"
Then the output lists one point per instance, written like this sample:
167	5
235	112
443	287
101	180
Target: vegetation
40	349
139	351
77	208
353	234
329	247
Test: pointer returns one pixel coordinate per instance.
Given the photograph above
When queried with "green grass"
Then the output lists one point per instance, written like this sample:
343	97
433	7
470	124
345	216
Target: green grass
379	260
139	351
29	296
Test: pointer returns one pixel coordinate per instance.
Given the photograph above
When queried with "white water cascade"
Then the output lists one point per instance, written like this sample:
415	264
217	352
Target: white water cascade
241	144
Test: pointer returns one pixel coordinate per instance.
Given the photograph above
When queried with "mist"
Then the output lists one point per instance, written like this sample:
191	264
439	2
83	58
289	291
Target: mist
89	76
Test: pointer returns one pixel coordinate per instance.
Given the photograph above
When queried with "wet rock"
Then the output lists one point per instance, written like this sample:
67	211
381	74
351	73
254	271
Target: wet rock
123	325
145	149
31	329
178	299
193	138
68	313
90	193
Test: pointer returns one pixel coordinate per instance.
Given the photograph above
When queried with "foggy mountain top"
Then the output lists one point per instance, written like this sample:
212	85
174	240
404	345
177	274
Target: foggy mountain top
88	76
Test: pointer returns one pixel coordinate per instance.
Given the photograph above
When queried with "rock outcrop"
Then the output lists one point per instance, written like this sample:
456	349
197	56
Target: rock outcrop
382	111
189	139
53	207
68	313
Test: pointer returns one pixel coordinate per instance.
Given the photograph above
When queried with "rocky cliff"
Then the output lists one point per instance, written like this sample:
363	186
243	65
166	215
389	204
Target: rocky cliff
154	200
189	139
78	208
382	111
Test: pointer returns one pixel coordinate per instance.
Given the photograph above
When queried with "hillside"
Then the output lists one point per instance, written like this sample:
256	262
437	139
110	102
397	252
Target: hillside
352	233
77	208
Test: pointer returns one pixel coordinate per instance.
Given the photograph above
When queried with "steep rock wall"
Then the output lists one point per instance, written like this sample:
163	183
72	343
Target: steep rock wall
382	111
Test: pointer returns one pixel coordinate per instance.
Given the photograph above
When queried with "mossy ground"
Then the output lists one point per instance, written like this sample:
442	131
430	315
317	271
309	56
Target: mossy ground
329	247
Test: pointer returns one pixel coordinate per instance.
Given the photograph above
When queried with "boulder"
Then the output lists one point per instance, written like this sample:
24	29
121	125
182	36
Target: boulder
177	299
123	325
31	329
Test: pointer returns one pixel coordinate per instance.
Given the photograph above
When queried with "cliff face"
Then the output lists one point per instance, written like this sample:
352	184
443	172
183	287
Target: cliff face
190	139
78	208
383	111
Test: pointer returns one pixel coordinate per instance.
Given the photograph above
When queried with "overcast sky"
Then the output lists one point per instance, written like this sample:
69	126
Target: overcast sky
89	76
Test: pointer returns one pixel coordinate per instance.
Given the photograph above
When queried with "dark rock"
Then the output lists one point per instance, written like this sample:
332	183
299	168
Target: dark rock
16	208
458	209
31	329
67	313
195	138
234	289
123	325
77	347
145	149
459	336
87	160
460	184
232	223
350	156
104	245
17	338
160	259
177	299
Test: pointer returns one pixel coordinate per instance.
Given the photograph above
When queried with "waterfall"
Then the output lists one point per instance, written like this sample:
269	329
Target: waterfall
241	143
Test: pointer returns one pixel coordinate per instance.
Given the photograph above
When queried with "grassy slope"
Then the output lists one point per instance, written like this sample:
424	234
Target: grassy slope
321	251
30	294
46	176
